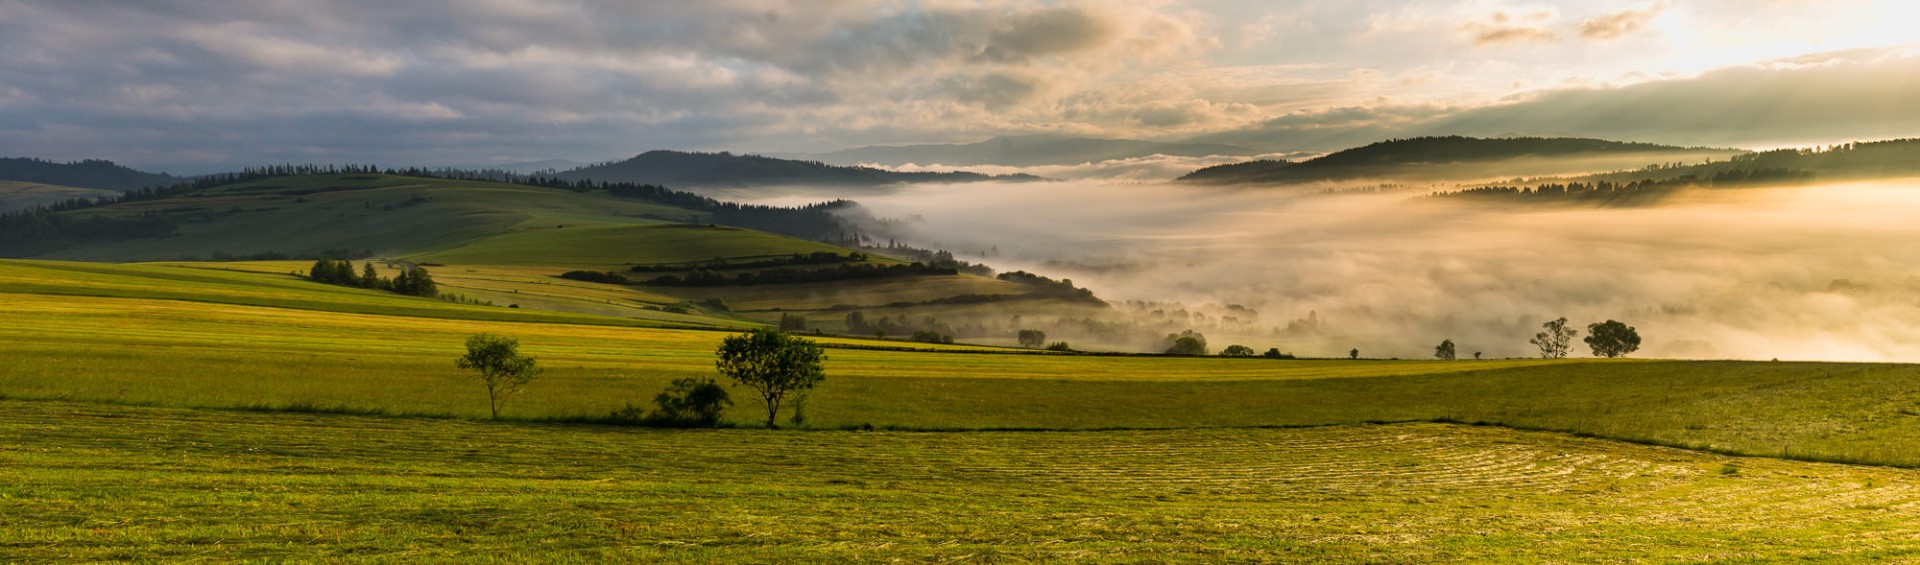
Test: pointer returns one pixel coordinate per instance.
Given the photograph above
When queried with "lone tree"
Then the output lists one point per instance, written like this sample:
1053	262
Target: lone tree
1612	339
1556	341
1355	354
1237	350
773	364
1032	338
1445	351
502	369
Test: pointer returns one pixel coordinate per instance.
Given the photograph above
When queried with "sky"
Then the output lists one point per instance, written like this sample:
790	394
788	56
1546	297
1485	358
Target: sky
198	85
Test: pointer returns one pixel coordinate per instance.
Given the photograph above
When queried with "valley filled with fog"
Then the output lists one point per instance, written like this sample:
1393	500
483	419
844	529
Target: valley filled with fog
1805	272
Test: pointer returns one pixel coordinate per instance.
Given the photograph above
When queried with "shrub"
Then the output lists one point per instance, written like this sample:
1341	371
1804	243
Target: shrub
687	403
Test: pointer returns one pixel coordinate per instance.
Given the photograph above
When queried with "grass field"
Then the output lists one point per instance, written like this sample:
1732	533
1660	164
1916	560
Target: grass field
190	413
512	239
87	482
266	284
616	247
131	348
17	195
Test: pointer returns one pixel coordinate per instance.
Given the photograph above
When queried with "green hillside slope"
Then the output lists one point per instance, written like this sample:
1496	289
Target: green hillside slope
16	195
388	215
1451	158
681	169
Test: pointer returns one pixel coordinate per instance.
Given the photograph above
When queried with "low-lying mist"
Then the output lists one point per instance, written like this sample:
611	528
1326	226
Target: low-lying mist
1816	272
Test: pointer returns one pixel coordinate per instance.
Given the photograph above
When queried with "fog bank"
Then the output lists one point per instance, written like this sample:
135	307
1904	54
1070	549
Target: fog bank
1818	272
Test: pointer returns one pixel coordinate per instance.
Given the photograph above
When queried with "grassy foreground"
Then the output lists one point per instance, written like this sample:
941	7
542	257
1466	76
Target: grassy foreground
95	482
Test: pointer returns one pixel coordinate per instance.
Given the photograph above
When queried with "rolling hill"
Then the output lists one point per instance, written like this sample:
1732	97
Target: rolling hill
18	195
726	170
1027	151
91	173
1453	158
26	183
1652	184
507	243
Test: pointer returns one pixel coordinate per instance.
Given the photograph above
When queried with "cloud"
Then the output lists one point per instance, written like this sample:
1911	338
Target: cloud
200	85
1046	31
518	79
1502	28
1617	25
1806	100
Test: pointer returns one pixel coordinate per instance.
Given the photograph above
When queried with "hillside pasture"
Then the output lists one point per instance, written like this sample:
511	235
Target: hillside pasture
173	352
388	215
616	247
17	195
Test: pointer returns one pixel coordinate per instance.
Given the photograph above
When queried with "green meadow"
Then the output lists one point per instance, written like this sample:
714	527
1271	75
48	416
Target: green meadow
188	412
94	482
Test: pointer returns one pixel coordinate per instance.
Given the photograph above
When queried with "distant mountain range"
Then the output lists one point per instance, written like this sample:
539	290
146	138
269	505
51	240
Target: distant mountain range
1452	157
677	169
1026	151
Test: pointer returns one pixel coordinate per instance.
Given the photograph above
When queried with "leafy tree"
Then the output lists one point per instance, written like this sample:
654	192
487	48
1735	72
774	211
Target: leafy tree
1354	354
1059	346
1274	353
1612	339
321	271
1445	351
1032	338
500	366
790	322
1238	350
1476	356
1188	343
772	363
1556	341
369	277
420	283
343	273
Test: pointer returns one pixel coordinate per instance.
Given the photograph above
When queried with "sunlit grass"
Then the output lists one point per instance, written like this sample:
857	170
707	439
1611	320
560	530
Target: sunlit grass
88	482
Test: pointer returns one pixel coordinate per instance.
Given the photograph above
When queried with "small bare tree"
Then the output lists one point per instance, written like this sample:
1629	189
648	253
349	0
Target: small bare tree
1556	341
501	367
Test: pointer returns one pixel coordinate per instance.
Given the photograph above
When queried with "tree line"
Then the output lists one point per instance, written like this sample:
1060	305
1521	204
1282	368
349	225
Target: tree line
1643	191
784	275
1609	339
42	229
815	258
1062	289
414	280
